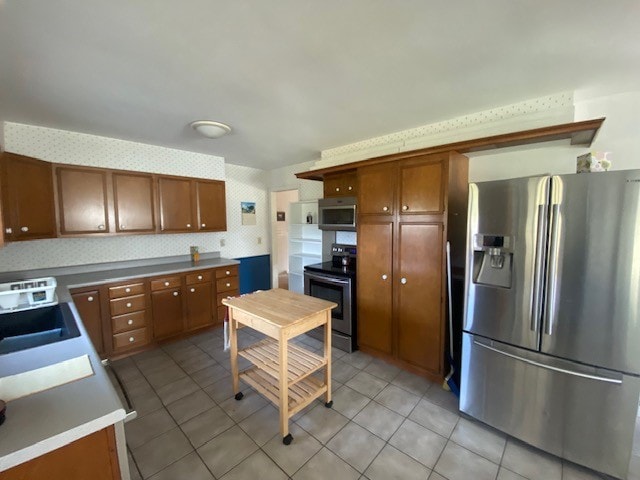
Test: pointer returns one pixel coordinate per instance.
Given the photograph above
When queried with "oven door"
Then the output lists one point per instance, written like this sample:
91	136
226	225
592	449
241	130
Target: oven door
333	289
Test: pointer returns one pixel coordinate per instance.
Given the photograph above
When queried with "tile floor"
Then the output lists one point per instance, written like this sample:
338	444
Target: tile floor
385	424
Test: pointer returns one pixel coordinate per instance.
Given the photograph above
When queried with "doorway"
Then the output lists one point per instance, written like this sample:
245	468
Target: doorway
280	236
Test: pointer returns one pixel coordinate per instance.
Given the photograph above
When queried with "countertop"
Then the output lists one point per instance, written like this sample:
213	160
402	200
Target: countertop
42	422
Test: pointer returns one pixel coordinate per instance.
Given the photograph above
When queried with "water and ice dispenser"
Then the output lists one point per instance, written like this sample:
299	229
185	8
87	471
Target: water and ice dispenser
492	260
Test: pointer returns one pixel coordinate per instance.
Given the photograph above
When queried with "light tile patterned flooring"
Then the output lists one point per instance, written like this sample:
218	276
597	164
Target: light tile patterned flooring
385	424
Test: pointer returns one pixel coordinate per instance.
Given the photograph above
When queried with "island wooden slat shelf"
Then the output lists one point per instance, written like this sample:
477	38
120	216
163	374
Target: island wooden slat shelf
282	372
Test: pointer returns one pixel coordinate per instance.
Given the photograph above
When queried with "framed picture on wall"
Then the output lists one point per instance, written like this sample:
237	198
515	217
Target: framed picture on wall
280	216
248	210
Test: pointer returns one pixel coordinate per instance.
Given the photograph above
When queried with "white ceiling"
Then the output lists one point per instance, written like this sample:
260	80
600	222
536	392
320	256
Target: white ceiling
294	77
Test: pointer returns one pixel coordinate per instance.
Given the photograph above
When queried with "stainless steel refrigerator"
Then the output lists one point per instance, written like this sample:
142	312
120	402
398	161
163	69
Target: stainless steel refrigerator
551	334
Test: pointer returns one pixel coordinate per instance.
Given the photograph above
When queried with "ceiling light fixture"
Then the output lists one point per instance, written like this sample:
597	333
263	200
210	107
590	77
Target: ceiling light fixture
210	129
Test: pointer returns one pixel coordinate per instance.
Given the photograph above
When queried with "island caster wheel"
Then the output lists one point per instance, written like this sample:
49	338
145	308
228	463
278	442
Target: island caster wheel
287	440
329	404
239	396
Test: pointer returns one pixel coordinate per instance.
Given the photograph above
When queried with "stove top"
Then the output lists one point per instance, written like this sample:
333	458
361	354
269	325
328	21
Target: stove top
331	269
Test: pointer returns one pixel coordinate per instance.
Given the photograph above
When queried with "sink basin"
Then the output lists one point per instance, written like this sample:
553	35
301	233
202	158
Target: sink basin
33	328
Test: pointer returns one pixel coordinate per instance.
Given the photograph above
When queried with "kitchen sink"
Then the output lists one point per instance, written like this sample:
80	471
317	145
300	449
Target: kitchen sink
37	327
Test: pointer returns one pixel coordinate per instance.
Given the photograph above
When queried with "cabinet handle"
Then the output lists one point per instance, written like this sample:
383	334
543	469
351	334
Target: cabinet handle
8	231
121	227
228	284
89	299
405	208
127	290
337	189
385	209
228	272
188	225
403	281
199	277
129	305
175	294
129	322
166	284
24	229
100	227
350	188
384	276
203	225
193	290
131	339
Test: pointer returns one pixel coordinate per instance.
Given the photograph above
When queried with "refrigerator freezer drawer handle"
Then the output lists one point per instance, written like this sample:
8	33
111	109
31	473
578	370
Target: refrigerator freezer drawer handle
549	367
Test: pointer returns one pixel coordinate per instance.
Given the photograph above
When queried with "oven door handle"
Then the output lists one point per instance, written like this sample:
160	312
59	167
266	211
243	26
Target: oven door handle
327	279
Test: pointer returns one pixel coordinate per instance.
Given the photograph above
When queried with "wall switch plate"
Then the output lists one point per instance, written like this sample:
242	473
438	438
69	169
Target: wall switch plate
222	242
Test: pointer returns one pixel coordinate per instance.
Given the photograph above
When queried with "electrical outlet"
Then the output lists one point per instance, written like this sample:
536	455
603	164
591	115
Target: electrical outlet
259	240
222	242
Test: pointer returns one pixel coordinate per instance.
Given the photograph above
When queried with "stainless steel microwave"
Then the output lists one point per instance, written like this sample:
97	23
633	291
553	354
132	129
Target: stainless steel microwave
337	213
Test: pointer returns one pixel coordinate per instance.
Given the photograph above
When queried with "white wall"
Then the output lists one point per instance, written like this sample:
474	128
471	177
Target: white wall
619	135
284	179
242	184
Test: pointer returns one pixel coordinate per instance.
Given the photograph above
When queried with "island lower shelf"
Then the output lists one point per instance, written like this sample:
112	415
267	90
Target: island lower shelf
301	393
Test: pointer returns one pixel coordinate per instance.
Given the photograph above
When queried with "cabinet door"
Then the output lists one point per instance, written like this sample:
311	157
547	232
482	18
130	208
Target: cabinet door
212	206
167	313
340	185
27	198
199	305
420	295
88	306
176	205
133	199
375	247
421	187
82	197
376	194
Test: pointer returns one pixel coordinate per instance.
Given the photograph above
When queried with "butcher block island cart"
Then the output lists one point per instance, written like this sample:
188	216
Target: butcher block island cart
281	371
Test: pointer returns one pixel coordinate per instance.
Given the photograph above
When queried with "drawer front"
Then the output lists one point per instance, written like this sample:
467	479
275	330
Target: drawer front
134	338
227	284
198	277
230	271
222	296
121	306
126	290
162	283
131	321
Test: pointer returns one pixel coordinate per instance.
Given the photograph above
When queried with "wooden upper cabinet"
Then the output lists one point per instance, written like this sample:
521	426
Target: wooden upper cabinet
82	200
27	198
212	205
422	186
133	202
341	185
376	195
176	205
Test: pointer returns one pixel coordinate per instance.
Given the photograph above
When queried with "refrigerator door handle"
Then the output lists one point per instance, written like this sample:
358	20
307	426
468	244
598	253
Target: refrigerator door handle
538	276
598	378
552	270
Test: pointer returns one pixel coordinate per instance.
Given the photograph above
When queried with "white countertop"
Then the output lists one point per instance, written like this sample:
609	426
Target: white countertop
45	421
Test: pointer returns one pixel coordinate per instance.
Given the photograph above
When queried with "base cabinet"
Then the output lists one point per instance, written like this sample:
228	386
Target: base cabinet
94	456
88	305
166	303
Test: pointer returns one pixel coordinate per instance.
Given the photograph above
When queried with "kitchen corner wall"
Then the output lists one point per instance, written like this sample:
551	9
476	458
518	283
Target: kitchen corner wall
284	178
242	184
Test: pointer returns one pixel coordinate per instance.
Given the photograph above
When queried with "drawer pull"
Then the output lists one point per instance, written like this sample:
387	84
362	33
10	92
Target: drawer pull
405	208
129	322
228	284
175	294
337	189
121	227
193	290
188	225
228	272
127	290
100	227
199	277
385	209
350	188
89	299
131	339
129	305
25	229
166	284
203	225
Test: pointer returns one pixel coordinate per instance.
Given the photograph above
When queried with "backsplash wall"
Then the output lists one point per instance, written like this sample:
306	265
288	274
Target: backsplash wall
242	184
